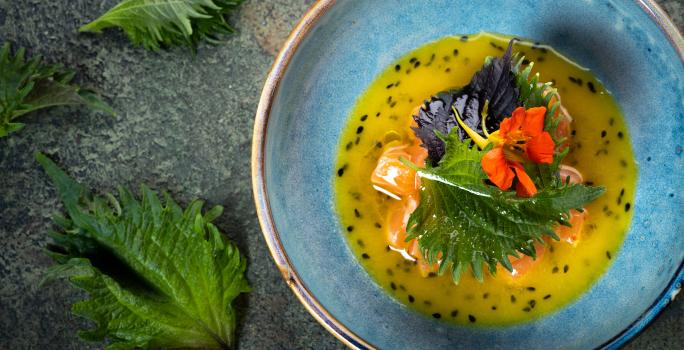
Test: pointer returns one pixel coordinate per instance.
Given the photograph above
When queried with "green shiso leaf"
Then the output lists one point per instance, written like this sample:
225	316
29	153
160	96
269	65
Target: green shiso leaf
157	275
533	93
463	223
157	23
30	85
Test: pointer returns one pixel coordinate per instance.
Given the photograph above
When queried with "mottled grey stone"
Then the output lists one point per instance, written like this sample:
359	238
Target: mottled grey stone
184	125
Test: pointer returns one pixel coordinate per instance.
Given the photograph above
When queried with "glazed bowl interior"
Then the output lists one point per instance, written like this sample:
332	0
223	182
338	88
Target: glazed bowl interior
353	41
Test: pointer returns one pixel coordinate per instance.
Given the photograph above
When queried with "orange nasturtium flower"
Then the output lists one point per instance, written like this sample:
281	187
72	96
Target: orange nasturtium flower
519	138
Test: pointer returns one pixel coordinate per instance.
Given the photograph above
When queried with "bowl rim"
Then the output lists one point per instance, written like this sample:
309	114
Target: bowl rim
272	237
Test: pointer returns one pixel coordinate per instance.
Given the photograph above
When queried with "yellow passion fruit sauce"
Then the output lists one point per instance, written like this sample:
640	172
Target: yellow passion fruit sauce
600	150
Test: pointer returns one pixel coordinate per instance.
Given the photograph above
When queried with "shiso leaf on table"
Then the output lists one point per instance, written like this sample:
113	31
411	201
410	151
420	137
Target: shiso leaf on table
157	275
163	23
28	85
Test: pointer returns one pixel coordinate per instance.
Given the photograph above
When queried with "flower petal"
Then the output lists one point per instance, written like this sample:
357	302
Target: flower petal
540	148
525	186
497	169
534	121
513	123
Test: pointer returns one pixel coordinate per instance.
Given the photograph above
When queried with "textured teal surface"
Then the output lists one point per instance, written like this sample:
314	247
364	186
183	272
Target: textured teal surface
356	40
185	125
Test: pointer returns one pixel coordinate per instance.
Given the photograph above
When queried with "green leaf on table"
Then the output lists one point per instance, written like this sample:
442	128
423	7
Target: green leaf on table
157	23
30	85
461	222
157	275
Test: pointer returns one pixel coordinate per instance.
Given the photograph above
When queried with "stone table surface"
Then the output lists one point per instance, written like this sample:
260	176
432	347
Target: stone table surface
185	125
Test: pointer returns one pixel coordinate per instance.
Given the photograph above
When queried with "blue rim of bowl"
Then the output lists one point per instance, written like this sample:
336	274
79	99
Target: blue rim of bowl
272	237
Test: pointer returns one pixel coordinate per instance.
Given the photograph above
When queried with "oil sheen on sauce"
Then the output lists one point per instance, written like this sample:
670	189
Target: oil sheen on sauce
601	151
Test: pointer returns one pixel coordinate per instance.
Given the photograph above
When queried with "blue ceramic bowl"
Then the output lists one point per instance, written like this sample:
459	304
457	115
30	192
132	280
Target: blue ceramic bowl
337	50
